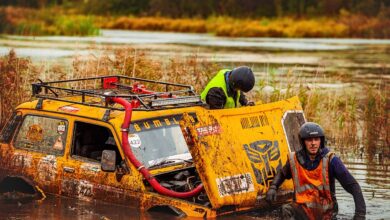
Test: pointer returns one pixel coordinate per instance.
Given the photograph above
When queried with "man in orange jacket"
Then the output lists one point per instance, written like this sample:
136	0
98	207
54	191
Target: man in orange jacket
314	170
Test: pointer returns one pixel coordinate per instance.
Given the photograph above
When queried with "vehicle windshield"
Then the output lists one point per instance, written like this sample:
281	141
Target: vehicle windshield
156	142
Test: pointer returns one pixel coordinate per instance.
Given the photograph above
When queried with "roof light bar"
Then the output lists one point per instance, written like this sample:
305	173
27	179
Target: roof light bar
175	101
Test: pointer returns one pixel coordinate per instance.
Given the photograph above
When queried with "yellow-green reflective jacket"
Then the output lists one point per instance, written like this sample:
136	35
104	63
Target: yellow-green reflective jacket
219	82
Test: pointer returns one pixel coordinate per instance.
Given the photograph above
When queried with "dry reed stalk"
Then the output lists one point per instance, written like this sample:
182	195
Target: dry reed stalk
341	113
376	117
12	91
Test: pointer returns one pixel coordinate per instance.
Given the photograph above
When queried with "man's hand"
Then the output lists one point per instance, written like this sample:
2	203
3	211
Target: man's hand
250	103
271	194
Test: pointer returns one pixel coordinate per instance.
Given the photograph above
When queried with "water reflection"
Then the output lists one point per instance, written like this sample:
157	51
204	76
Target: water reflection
373	177
360	61
357	60
149	37
54	207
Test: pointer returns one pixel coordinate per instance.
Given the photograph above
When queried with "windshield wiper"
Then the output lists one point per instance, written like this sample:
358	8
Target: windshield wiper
168	161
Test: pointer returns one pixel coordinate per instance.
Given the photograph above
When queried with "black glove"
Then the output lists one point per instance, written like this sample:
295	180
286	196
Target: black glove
250	103
271	194
359	216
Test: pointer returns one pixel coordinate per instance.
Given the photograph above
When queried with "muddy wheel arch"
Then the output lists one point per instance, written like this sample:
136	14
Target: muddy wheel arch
19	188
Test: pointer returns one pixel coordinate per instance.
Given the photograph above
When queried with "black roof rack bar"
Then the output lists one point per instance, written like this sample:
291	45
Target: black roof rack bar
81	92
118	87
101	94
76	80
114	108
154	81
156	93
119	77
75	102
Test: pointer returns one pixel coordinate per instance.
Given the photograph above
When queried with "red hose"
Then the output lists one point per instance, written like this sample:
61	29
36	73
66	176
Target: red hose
145	172
139	88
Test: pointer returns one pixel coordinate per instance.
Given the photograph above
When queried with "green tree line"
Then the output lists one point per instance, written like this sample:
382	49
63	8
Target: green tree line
207	8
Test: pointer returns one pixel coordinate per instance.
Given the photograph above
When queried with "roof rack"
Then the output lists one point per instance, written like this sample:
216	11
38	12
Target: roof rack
94	91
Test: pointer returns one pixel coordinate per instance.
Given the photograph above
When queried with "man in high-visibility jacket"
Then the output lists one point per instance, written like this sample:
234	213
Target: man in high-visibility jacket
314	170
226	89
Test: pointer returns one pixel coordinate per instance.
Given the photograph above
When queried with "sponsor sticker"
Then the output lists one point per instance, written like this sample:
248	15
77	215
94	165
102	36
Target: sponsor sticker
134	140
90	167
21	160
237	184
85	189
58	145
208	130
35	133
61	127
47	169
68	108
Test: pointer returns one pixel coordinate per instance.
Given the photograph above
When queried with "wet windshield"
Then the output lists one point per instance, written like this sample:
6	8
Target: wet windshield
156	142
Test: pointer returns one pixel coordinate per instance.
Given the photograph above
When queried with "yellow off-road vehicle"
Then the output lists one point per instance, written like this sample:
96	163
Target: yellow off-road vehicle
112	139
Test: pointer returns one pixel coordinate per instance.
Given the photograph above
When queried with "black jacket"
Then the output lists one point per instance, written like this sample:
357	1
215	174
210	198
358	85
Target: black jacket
216	98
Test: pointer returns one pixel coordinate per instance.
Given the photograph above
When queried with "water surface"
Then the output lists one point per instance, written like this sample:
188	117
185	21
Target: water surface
359	61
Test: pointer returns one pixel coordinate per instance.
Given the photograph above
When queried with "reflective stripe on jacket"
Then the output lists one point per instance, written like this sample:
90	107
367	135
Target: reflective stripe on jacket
312	189
220	82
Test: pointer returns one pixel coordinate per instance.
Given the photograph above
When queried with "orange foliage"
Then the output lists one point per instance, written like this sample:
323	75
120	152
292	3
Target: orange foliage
345	26
158	24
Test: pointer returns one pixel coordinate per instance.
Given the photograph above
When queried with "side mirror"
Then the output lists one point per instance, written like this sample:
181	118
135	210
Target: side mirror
108	160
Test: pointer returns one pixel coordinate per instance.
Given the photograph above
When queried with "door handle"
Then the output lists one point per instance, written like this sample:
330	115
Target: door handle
69	169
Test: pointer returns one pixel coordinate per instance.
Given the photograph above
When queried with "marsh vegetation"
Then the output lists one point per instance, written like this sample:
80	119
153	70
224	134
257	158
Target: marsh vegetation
356	120
276	18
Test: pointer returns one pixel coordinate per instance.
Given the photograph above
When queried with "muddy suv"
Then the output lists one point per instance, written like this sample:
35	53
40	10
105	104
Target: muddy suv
112	139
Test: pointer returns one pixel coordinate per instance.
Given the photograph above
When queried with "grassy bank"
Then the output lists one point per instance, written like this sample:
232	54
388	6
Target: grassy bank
24	21
57	21
346	26
355	121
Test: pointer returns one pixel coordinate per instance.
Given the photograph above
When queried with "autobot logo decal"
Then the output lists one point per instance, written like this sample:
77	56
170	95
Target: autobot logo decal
260	153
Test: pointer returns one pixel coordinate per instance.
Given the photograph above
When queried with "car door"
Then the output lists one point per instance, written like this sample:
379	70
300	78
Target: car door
82	174
35	151
6	135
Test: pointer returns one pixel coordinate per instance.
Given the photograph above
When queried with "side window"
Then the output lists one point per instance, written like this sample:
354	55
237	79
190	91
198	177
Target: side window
42	134
90	140
9	129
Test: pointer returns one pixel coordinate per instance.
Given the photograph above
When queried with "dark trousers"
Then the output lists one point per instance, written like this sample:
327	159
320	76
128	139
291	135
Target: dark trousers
293	211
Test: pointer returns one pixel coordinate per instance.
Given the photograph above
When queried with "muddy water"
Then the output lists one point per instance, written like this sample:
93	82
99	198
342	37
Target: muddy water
359	61
373	177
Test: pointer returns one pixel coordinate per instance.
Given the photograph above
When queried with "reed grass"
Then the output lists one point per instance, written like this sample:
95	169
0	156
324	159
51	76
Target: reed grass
135	63
23	21
15	74
344	26
354	121
58	21
156	24
376	114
